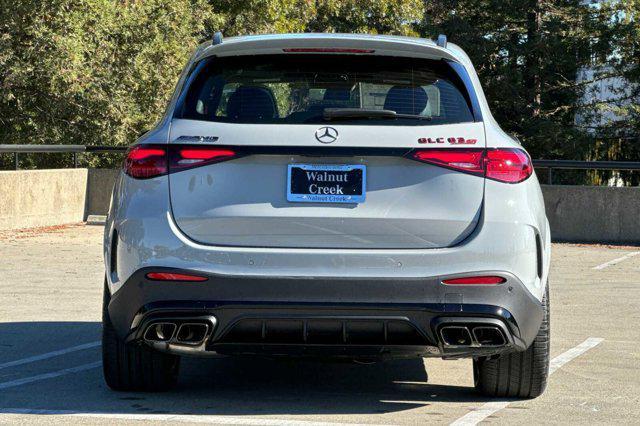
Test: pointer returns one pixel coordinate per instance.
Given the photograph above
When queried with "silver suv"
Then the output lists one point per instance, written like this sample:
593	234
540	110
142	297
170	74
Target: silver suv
327	195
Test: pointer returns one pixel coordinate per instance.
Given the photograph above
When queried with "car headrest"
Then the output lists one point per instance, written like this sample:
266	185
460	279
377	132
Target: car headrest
251	103
339	95
406	99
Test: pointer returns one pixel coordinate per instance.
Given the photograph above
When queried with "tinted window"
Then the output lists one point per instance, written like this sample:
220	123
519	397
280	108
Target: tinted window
298	88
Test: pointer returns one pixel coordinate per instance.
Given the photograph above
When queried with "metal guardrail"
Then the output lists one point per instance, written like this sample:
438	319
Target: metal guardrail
550	165
16	150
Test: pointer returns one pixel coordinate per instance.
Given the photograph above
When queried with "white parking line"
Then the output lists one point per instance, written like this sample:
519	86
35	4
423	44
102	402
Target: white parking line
49	355
51	375
616	261
178	418
476	416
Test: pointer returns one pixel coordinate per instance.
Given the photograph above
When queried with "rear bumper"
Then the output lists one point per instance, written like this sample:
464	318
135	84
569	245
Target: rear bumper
364	317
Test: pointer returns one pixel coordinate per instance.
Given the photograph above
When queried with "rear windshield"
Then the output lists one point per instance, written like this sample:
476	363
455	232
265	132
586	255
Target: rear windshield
300	89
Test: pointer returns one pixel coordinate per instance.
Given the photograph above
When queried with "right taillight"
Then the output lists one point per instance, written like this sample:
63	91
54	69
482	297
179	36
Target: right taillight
148	161
509	165
464	160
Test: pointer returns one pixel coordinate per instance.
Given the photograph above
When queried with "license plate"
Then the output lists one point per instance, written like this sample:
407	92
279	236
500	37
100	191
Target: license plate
324	183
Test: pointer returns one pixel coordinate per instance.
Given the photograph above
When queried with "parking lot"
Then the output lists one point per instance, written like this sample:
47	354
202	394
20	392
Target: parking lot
50	297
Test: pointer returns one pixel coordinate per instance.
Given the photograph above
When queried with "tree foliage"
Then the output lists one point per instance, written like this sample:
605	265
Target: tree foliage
618	71
91	71
527	54
100	71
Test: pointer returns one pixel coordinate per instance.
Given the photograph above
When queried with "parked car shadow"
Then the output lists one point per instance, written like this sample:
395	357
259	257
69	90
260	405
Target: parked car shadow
223	386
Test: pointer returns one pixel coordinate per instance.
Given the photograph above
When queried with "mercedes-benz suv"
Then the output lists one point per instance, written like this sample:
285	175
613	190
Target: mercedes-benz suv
327	195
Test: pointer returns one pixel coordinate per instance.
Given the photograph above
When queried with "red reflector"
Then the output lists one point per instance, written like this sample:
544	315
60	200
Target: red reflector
468	160
326	50
146	161
167	276
481	280
508	165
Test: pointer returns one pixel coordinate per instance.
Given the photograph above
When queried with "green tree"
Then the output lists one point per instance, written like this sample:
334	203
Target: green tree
347	16
615	118
397	17
91	71
528	54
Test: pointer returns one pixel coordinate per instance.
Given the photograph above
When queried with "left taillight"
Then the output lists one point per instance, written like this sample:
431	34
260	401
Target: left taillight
182	157
148	161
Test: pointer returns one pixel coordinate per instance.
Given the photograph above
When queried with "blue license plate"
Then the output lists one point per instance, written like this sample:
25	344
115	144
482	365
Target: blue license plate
326	183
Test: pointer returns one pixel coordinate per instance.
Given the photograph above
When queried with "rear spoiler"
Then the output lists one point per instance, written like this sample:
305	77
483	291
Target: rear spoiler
330	44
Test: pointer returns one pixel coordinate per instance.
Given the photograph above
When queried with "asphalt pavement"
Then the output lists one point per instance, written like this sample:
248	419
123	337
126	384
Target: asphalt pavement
50	370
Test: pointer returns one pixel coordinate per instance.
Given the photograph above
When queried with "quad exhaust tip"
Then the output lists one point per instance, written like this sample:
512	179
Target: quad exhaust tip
192	333
160	332
454	335
475	335
180	333
488	336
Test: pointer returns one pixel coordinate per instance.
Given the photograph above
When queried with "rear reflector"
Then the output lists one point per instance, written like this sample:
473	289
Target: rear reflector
148	161
480	280
509	165
168	276
326	50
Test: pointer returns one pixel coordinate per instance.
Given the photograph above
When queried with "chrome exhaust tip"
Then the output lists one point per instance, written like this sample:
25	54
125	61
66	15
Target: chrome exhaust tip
192	333
488	336
454	335
160	332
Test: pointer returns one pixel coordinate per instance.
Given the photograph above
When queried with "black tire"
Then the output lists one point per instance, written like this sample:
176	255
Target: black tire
518	374
134	366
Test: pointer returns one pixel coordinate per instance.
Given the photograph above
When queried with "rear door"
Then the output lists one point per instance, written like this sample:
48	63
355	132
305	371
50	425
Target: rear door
302	175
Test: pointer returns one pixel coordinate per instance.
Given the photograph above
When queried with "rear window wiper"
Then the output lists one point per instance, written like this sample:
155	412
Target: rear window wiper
363	113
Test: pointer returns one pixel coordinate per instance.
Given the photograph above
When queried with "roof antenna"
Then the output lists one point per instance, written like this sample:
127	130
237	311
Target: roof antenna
217	38
442	41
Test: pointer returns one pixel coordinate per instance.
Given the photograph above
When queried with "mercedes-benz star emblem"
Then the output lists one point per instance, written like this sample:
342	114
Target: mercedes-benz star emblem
326	134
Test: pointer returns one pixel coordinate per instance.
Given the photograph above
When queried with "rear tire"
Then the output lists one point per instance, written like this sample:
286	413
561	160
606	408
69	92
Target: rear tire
133	366
519	374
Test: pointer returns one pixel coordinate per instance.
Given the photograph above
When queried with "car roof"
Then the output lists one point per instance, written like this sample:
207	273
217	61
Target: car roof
384	45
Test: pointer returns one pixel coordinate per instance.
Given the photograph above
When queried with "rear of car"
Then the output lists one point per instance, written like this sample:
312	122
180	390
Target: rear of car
327	195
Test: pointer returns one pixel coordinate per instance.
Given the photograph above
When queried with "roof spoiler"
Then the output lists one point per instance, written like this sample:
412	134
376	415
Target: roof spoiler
269	44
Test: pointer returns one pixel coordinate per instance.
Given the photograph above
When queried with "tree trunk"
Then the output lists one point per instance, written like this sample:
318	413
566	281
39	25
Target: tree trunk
533	56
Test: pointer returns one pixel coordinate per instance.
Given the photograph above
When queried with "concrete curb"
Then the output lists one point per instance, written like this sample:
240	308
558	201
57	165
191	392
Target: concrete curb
95	219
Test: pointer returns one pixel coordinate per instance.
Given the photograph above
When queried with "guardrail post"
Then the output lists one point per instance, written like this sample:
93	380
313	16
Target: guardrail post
550	176
16	160
75	160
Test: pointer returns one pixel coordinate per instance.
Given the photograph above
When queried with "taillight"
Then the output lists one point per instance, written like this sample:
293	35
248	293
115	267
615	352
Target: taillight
188	156
148	161
466	160
479	280
510	165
